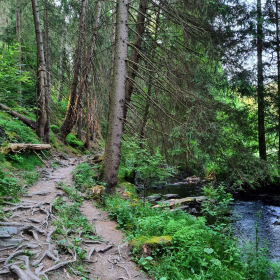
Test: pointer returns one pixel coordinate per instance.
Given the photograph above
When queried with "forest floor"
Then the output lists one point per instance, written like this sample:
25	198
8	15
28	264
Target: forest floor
29	252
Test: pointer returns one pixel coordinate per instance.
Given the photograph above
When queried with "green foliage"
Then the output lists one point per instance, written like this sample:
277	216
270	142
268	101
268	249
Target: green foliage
31	177
74	142
84	176
54	128
8	185
11	79
16	131
197	251
136	157
25	161
222	200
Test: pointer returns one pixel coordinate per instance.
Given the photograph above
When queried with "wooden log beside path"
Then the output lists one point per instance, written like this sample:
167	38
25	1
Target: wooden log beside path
17	147
171	203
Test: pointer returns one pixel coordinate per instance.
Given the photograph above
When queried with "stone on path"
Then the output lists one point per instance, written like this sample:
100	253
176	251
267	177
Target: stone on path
10	242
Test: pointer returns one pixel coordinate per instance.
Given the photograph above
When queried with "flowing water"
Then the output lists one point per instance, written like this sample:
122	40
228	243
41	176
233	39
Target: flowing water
244	216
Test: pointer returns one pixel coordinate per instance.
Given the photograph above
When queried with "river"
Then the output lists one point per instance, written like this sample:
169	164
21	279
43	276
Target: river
244	216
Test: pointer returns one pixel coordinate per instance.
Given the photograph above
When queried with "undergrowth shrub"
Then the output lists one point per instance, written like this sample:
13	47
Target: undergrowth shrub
74	142
26	161
54	128
197	250
83	176
8	185
16	131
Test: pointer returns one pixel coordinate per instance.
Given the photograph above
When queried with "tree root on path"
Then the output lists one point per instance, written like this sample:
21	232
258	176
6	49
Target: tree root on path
48	254
49	235
32	228
55	267
23	275
105	249
90	253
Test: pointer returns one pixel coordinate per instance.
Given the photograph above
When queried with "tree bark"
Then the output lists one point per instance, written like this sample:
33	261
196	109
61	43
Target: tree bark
261	126
13	147
117	99
63	35
89	57
74	99
19	39
278	71
132	72
22	118
48	76
42	117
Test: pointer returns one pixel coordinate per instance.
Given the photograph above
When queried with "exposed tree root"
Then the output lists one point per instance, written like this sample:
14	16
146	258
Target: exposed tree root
105	249
31	228
48	254
90	252
49	235
55	267
28	275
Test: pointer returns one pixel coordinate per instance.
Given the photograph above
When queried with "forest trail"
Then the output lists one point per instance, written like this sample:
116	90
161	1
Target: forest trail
31	254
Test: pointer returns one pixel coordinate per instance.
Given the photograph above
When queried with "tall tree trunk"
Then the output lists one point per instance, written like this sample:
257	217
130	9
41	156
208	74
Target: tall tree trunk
62	42
116	111
80	124
42	112
261	127
278	70
48	76
74	99
19	39
135	56
88	62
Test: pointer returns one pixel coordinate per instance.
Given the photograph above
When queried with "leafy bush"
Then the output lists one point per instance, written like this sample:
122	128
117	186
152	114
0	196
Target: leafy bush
11	80
16	131
197	251
54	128
8	185
149	166
84	176
73	141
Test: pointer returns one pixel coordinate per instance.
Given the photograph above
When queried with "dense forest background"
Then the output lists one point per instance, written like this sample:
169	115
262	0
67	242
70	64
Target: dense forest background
193	84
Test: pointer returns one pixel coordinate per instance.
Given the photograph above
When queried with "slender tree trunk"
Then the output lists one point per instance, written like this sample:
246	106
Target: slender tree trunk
48	77
88	62
42	112
74	99
278	71
261	127
19	39
80	124
62	42
116	111
135	56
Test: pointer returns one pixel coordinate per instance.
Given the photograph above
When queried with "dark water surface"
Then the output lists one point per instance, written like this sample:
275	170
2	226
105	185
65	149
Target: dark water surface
183	189
245	216
268	228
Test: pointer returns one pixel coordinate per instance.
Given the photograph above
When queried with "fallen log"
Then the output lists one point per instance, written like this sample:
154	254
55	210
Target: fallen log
22	118
173	202
14	147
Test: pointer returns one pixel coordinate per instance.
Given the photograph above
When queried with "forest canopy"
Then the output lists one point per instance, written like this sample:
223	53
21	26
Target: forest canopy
196	81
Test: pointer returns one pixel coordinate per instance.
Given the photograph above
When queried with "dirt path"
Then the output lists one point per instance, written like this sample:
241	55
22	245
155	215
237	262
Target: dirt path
28	252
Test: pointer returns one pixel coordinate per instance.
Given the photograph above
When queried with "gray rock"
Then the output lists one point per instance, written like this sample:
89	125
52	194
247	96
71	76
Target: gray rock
10	242
154	198
10	230
170	195
193	211
4	234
